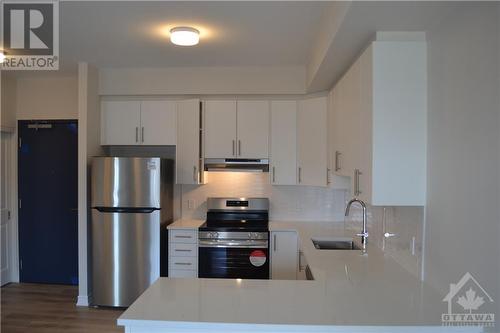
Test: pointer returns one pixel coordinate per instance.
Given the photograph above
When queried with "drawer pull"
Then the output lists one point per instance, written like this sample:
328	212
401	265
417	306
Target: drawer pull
181	250
183	236
183	263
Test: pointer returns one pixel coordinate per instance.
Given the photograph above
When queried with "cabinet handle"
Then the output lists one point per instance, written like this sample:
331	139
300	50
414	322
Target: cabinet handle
180	236
300	175
182	250
142	134
327	176
183	263
274	174
337	160
274	243
195	179
300	261
239	147
233	148
357	190
137	134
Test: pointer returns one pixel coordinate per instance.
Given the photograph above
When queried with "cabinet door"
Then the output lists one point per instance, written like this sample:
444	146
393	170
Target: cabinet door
311	142
284	255
158	123
253	129
120	122
283	164
220	129
188	142
339	138
364	146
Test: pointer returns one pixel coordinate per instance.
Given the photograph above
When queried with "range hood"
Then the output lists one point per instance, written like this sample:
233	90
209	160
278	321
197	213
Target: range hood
237	164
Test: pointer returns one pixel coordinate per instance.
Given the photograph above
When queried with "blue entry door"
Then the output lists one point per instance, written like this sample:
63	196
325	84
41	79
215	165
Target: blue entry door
48	201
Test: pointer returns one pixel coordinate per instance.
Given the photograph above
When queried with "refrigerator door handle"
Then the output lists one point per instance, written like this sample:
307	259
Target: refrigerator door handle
146	210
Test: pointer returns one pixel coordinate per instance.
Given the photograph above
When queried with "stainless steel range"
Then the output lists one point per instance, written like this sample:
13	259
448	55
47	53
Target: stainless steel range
234	241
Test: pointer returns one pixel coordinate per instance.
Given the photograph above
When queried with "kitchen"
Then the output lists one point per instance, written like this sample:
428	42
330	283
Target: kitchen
269	136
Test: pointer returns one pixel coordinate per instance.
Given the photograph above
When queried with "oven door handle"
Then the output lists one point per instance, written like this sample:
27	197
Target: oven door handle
246	244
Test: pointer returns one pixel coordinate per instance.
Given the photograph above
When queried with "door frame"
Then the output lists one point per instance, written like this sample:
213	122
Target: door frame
13	235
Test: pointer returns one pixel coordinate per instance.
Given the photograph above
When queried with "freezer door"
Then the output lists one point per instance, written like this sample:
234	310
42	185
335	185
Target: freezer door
125	256
126	182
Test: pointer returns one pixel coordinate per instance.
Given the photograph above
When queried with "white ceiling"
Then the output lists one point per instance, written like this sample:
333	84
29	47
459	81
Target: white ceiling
322	38
129	34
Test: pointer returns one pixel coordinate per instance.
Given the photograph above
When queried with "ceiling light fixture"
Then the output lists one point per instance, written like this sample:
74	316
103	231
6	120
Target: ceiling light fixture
2	57
184	36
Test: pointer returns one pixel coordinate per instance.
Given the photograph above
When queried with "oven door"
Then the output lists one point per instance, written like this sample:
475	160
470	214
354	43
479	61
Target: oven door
232	259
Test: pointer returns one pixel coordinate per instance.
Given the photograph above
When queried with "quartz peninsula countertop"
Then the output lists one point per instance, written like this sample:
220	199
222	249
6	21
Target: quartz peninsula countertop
350	292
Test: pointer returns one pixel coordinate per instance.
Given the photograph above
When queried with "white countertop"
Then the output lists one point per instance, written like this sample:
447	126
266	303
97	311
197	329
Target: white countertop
185	224
349	289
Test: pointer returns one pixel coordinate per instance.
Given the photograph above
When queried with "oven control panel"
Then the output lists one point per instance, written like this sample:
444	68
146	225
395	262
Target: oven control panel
232	235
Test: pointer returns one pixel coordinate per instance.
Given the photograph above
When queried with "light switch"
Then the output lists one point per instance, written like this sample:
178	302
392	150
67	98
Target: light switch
190	203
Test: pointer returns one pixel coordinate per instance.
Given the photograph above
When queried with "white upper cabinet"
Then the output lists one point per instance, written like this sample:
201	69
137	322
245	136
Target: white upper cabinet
236	129
120	122
220	129
252	129
158	123
138	123
380	116
189	164
312	161
283	155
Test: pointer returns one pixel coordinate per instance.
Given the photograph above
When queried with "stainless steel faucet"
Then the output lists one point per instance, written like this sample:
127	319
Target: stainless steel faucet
364	233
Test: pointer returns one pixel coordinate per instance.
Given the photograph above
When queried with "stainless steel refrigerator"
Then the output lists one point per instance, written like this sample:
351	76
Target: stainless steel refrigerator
132	200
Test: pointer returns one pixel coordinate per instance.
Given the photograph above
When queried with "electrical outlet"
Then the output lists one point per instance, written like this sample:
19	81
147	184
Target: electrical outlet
190	203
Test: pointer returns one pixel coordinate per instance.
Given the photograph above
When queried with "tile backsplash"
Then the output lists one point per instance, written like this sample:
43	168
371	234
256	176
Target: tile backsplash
289	203
308	203
406	223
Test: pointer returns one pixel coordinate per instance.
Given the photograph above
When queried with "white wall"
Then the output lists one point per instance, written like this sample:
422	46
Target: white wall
47	97
202	80
88	146
8	100
463	219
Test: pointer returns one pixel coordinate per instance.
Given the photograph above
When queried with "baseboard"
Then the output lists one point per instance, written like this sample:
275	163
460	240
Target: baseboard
82	301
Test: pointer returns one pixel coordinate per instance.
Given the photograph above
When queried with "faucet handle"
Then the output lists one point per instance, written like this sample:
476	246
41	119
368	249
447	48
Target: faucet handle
362	234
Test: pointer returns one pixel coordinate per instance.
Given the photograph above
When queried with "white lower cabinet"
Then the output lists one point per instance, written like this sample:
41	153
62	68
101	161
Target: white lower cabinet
183	253
284	255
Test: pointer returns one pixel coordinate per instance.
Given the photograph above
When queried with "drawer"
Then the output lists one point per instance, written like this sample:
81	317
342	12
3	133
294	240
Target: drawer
184	236
183	250
183	263
177	273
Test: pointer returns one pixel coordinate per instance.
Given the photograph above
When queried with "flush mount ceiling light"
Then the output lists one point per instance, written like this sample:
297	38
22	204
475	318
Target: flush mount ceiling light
184	36
2	57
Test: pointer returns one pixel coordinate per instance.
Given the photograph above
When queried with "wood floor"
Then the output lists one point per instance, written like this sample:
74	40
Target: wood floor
37	308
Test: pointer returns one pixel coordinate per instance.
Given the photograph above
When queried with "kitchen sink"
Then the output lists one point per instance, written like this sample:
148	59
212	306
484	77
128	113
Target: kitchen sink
338	243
